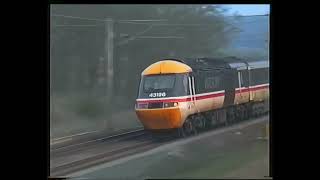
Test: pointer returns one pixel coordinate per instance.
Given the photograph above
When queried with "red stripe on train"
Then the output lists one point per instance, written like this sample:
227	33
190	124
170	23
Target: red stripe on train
164	100
210	96
200	97
184	99
252	89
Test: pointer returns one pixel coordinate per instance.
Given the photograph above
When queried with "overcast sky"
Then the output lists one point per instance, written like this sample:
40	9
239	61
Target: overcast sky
248	9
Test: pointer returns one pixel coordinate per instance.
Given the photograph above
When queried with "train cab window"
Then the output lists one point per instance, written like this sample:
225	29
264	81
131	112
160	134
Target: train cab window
185	84
164	85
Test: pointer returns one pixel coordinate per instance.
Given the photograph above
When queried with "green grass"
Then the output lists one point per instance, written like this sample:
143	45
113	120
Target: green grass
219	165
197	160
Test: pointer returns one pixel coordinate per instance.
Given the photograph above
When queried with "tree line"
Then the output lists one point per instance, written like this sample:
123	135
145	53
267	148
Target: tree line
78	44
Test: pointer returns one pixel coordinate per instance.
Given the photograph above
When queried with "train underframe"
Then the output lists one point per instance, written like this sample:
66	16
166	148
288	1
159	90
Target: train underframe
198	122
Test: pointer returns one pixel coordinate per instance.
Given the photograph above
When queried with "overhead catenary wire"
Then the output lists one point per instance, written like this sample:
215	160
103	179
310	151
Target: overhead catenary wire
142	20
133	37
134	21
107	19
77	25
246	15
137	21
75	17
162	37
129	21
167	24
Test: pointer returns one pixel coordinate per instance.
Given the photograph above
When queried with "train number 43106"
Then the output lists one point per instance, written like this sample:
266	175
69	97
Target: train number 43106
161	94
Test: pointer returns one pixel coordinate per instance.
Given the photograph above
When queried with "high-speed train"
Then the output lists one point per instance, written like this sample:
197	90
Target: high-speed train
188	95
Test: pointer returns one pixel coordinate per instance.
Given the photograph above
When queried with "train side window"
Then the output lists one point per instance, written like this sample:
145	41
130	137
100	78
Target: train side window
245	78
266	75
208	83
240	79
255	77
260	76
212	82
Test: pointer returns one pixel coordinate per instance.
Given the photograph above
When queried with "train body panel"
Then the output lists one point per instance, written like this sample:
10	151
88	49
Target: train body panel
168	118
260	92
208	101
171	91
241	96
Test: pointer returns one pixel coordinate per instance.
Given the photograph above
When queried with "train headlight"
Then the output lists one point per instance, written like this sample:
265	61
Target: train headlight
142	106
170	104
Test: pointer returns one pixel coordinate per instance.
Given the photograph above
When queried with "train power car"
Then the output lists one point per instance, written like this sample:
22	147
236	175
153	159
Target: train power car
189	95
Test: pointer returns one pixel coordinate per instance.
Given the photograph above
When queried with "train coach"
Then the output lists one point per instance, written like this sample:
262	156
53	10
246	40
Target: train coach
192	94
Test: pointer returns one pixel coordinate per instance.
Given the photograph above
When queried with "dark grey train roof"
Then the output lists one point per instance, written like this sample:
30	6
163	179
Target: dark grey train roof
251	65
223	63
259	64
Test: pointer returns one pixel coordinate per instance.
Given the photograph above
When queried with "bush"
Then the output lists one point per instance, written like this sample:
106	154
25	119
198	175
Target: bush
89	108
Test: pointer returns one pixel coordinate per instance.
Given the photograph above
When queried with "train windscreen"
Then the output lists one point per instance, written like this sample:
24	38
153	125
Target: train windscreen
159	82
165	85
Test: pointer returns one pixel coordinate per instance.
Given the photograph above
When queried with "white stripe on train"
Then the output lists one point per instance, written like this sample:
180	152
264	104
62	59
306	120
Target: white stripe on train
260	85
202	94
182	97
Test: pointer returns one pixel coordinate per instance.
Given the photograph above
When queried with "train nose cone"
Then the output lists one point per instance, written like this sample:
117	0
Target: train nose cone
160	118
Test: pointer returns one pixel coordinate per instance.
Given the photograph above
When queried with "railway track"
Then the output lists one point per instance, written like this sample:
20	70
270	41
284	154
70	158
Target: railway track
96	140
75	157
87	138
